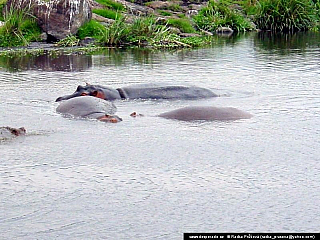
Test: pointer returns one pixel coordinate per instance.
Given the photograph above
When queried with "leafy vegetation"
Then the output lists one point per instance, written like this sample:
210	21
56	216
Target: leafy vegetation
19	29
90	29
286	15
221	14
183	24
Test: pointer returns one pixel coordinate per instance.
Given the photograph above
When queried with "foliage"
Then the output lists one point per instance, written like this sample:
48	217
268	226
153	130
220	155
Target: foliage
285	15
220	14
19	29
69	41
107	13
183	24
111	4
115	34
90	29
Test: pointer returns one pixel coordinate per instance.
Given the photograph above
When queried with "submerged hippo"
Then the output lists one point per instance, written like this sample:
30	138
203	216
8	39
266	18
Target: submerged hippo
9	132
206	113
89	107
95	108
141	91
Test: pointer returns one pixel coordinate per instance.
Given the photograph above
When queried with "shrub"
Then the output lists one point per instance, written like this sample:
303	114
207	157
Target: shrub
285	15
219	14
107	13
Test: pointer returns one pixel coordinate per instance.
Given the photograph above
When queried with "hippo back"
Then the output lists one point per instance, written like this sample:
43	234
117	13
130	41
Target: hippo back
206	113
157	91
86	106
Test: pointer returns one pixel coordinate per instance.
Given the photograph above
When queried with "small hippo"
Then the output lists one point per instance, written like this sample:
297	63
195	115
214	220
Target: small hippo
9	132
89	107
206	113
141	91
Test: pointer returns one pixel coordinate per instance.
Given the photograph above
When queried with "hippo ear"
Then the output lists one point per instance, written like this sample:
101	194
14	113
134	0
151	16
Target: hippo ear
94	93
79	88
88	84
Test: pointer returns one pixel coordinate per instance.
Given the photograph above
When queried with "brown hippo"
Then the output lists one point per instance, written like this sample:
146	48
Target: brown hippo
89	107
9	132
141	91
206	113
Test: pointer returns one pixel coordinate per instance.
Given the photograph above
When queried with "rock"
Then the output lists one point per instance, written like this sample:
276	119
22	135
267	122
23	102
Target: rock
136	9
226	31
57	18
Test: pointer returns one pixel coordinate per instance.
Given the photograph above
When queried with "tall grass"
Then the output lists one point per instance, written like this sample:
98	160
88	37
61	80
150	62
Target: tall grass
218	13
111	4
107	13
20	28
285	15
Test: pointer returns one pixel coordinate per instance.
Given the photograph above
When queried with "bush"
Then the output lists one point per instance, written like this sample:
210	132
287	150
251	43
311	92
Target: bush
220	14
285	15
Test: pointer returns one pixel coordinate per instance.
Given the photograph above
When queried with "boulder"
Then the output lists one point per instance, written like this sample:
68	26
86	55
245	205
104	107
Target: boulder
57	18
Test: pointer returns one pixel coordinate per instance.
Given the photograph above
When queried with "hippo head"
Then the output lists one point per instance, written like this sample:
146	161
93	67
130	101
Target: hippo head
93	90
17	131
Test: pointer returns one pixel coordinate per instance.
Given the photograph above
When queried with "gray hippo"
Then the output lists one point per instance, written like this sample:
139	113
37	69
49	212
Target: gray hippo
9	132
141	91
206	113
89	107
96	108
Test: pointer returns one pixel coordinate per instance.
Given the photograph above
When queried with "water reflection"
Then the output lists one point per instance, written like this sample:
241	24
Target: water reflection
47	62
57	61
284	44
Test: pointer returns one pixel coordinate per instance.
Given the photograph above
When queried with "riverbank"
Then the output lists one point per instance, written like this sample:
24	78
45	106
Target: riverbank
161	24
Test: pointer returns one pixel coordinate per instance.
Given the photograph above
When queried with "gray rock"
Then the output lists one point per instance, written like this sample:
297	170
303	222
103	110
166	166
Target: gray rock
57	18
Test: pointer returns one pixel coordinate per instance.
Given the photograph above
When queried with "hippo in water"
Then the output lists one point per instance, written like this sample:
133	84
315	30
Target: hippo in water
9	132
206	113
141	91
95	108
89	107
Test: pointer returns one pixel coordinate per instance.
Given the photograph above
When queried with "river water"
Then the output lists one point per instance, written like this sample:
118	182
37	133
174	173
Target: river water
154	178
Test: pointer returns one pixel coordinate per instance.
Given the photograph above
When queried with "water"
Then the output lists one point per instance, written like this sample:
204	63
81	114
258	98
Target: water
153	178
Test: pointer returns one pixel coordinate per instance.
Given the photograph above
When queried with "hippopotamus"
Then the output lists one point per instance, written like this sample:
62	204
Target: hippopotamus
9	132
141	91
207	113
96	108
89	107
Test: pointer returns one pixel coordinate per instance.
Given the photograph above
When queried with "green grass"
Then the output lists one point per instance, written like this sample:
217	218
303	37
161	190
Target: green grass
107	13
286	15
183	24
220	14
90	29
111	4
20	29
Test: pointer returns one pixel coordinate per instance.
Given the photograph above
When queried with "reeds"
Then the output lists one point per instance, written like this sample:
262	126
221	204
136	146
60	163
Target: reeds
285	15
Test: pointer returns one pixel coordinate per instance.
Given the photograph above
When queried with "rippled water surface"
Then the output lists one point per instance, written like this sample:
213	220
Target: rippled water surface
153	178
